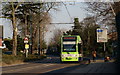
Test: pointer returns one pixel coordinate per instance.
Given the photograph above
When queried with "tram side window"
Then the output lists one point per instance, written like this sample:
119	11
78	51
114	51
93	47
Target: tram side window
79	47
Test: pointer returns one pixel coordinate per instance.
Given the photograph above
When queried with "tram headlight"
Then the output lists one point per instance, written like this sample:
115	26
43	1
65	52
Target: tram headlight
80	55
63	55
74	55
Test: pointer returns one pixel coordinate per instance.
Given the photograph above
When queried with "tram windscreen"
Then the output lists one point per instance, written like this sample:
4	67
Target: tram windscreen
69	47
69	44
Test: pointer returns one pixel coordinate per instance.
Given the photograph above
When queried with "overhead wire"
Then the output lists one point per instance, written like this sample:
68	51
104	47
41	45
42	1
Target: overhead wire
67	11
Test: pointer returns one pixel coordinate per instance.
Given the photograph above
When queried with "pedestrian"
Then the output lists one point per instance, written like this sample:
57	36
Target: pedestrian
94	55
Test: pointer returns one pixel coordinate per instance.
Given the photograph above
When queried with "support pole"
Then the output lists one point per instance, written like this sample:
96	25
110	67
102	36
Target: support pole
104	49
39	41
26	53
26	50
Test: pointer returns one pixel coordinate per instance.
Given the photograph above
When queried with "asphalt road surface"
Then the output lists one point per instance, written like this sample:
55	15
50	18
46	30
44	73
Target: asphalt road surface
52	65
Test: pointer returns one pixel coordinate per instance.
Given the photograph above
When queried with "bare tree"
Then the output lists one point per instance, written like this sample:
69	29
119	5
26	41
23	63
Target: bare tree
20	11
103	13
12	7
87	31
109	11
56	37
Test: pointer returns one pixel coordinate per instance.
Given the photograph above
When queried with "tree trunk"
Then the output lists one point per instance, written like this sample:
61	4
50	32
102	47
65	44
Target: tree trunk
14	34
118	31
26	28
88	42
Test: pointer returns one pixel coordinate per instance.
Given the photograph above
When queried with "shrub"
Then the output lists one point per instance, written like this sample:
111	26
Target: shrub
10	59
34	57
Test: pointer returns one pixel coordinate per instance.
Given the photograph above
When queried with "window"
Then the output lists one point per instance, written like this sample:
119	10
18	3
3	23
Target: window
69	38
69	47
69	44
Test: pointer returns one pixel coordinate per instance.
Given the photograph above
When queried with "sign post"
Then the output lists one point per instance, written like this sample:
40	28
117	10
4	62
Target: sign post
102	37
1	35
26	46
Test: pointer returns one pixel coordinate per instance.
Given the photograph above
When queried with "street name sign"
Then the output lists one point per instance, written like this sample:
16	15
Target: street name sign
102	35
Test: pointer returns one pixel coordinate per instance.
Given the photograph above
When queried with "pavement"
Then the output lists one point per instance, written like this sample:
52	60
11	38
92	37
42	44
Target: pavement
101	60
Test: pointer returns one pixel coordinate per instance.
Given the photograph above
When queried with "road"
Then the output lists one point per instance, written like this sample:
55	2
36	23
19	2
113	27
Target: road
52	65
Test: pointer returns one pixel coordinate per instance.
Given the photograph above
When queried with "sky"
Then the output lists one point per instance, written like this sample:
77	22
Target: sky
76	10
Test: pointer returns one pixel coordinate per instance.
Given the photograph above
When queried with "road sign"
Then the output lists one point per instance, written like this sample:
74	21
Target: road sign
26	46
102	35
25	40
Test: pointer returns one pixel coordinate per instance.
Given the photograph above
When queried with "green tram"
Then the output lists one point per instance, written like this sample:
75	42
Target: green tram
71	48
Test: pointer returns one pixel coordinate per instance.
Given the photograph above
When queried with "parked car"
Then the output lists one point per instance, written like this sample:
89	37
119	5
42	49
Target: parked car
8	52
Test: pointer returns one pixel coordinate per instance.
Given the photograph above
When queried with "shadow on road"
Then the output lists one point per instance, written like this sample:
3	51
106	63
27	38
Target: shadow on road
68	69
51	59
84	69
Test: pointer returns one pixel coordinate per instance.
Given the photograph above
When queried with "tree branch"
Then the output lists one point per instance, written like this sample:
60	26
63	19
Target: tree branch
5	17
18	5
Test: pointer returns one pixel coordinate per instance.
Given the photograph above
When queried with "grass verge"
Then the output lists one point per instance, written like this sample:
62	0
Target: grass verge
10	59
